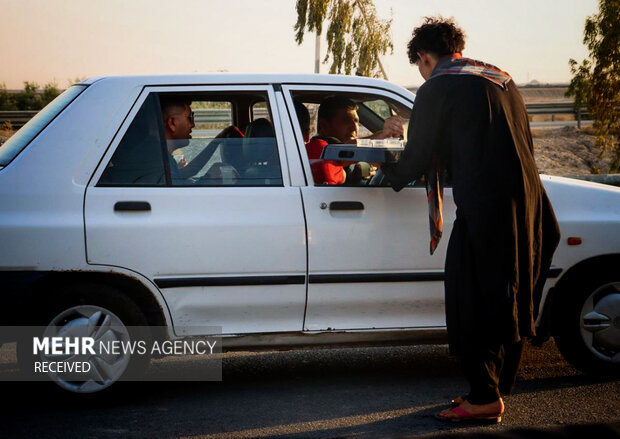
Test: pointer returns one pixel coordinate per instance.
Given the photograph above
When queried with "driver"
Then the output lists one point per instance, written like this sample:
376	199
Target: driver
338	122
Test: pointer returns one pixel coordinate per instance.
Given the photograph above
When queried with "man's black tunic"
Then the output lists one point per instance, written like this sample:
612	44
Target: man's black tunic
505	231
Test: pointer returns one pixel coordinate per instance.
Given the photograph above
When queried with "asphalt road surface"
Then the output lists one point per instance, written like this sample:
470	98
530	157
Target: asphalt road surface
388	392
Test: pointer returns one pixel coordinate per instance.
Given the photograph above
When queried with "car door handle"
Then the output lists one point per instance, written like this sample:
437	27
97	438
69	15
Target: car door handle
346	205
132	206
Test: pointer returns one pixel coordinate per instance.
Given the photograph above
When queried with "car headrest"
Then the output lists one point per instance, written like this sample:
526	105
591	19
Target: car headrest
259	143
259	128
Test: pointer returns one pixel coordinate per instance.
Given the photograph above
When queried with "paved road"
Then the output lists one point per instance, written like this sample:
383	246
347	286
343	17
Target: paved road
370	392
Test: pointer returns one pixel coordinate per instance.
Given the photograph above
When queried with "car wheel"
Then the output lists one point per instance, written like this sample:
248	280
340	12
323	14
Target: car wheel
588	324
103	313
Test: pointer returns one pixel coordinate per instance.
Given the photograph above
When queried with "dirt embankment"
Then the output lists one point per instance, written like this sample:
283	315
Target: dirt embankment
567	151
5	132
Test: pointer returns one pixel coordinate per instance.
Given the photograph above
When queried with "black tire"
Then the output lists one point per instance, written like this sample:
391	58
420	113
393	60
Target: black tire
61	299
568	324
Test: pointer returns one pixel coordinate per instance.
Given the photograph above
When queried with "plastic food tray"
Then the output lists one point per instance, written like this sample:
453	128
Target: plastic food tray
354	153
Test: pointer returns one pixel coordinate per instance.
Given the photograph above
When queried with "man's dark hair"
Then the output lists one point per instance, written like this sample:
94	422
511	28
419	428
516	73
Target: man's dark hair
303	115
438	35
331	104
169	103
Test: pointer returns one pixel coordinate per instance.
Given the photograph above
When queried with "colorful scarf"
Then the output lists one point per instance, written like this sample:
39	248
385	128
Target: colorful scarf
434	196
467	66
435	178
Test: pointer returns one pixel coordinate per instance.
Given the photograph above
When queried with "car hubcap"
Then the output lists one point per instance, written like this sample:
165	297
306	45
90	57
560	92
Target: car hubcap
600	322
100	324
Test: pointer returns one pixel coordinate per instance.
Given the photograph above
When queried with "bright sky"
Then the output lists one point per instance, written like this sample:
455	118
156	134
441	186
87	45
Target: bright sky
60	40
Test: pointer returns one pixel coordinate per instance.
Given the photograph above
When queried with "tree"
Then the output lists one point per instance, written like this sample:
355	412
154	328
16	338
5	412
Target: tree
50	91
596	82
6	100
28	99
356	37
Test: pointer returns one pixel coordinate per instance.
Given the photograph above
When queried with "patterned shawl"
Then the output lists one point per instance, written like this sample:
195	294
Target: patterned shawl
467	66
435	177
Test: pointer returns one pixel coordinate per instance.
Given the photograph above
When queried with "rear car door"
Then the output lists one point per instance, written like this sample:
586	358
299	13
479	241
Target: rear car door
226	246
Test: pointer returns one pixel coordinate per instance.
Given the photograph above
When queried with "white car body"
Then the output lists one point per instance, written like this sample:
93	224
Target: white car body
268	265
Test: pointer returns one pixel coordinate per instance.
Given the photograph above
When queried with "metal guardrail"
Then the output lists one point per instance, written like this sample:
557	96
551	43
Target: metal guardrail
220	115
611	179
213	116
217	115
565	107
17	118
553	108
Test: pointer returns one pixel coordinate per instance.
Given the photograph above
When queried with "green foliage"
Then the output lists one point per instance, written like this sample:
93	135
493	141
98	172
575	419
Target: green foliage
6	99
28	99
31	98
356	37
50	91
596	81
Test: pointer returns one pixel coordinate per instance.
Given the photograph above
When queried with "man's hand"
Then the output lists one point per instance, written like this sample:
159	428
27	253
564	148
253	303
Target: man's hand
373	171
392	127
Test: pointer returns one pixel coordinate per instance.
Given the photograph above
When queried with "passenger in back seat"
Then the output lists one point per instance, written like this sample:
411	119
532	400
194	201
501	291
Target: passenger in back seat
178	120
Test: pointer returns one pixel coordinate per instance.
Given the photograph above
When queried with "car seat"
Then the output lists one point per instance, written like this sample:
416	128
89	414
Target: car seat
260	152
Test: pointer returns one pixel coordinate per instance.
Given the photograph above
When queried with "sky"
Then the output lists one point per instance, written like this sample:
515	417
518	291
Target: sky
61	40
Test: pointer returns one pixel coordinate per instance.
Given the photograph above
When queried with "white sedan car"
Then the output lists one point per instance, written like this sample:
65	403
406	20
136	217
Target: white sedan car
97	223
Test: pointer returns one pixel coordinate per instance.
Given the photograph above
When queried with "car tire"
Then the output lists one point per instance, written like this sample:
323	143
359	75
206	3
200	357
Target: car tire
587	323
91	306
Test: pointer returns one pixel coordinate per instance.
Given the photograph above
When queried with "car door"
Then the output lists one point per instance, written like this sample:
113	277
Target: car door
369	265
226	247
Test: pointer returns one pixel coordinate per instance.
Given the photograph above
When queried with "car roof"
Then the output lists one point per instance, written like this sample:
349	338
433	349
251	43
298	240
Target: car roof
247	78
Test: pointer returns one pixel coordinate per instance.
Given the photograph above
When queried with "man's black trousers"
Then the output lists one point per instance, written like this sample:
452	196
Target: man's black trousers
492	372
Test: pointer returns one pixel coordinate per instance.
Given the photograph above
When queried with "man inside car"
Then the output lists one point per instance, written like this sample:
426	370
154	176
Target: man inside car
178	119
338	122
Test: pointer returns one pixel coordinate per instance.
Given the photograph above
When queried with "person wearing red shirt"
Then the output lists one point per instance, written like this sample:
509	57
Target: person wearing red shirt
338	122
324	171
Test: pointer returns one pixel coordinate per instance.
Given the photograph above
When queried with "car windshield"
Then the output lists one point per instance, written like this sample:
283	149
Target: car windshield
18	141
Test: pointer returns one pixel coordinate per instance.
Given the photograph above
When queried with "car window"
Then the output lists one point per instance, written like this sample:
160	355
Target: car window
210	118
138	159
380	107
198	139
260	110
18	141
372	110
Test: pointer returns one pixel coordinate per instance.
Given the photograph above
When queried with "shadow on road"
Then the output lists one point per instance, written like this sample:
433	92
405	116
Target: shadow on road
369	392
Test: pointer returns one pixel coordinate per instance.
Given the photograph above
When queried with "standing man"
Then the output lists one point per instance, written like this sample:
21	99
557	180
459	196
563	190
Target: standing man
469	122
